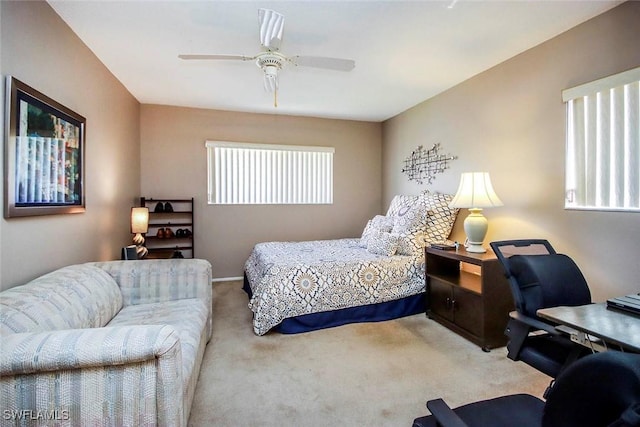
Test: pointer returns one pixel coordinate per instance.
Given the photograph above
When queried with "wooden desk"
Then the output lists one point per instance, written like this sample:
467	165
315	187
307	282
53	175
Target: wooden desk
611	326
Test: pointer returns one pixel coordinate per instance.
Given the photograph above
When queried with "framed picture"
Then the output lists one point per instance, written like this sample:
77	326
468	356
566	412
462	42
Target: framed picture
44	154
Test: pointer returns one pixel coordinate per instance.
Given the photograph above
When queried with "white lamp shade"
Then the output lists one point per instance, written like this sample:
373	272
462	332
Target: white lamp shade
139	220
475	191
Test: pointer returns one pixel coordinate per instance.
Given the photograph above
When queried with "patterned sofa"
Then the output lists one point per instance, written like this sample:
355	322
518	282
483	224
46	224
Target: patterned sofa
115	343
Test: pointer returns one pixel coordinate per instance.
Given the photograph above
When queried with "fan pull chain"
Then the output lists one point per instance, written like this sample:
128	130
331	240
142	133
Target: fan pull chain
275	98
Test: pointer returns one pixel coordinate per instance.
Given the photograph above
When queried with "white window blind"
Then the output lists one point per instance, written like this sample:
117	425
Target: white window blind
241	173
603	143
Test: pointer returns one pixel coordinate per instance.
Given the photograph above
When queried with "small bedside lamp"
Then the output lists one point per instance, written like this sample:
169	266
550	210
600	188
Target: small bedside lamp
475	192
139	226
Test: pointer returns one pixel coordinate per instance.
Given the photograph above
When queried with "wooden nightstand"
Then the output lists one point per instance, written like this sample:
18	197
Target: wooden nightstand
469	294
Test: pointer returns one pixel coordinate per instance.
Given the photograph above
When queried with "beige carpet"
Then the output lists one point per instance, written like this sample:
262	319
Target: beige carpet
368	374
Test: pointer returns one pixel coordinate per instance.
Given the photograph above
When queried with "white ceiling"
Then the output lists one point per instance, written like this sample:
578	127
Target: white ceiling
405	51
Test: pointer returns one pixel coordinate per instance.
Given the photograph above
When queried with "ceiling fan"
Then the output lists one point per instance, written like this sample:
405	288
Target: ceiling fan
270	60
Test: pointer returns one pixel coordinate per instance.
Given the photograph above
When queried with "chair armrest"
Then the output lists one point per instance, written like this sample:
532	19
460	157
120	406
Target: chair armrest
534	323
444	415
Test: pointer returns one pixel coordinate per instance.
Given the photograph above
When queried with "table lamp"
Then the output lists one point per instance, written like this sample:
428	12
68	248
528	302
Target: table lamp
139	226
475	192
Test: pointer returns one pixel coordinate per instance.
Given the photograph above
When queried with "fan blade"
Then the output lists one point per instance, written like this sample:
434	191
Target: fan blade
232	57
271	28
337	64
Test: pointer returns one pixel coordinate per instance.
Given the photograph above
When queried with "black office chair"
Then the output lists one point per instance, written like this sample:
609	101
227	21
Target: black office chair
599	390
540	278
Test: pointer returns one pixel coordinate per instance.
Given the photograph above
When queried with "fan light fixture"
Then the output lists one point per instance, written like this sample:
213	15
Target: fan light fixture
271	63
270	78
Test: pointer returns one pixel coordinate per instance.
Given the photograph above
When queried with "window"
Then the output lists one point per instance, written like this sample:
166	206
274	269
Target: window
603	144
241	173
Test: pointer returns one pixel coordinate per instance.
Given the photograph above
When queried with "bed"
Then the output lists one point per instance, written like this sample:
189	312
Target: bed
297	287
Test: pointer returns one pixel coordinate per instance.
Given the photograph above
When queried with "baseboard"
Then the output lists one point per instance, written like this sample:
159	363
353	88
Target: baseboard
227	279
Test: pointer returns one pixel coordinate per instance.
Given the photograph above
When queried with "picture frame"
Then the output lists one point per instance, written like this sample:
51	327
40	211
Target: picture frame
44	154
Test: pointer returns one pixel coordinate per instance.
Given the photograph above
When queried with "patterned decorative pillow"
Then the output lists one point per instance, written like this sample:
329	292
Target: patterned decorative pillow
410	224
429	219
441	216
400	203
377	223
383	243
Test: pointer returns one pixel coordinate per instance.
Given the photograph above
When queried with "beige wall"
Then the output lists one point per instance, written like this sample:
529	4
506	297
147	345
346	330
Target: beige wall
174	164
510	121
39	49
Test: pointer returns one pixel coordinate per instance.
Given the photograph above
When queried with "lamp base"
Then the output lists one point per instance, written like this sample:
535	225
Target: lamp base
141	250
475	227
475	248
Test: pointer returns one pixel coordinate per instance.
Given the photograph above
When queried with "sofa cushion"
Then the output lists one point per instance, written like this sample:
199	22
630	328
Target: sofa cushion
74	297
157	280
187	316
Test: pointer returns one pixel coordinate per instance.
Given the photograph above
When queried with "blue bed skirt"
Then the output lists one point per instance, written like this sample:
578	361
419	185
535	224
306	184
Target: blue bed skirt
402	307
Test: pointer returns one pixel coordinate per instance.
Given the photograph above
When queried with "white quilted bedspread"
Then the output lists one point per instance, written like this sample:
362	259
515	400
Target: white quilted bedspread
289	279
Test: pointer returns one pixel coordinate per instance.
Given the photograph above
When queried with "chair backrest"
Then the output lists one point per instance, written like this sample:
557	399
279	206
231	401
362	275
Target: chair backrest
601	389
539	277
506	248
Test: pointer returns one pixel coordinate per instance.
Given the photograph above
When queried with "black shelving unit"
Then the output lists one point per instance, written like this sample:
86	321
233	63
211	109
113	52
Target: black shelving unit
179	219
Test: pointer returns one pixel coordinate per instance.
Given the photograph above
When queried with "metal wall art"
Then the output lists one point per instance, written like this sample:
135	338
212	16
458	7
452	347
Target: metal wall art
423	165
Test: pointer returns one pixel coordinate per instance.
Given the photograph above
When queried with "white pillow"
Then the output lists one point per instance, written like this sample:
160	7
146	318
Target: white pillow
382	243
400	203
377	223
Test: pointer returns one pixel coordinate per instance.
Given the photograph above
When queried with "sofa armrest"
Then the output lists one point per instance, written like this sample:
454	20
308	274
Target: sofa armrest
126	375
32	352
